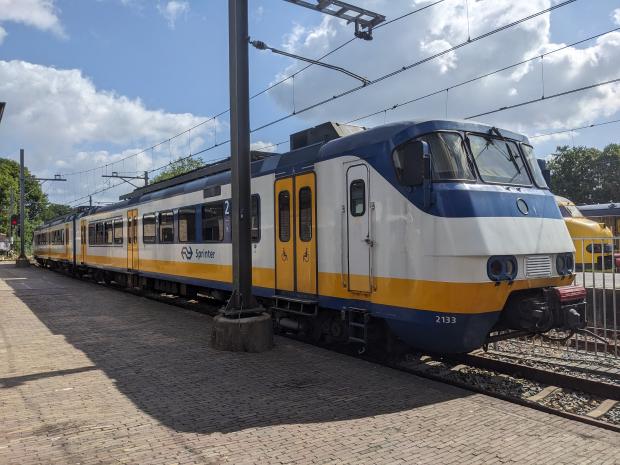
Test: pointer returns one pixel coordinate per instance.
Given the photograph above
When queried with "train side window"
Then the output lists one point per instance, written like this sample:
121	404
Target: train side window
109	232
149	231
213	222
166	227
99	234
91	234
357	198
187	224
255	218
118	231
284	216
305	214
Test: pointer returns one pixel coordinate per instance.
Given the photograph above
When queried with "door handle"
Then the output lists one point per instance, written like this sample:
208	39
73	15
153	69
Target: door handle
306	256
369	241
283	256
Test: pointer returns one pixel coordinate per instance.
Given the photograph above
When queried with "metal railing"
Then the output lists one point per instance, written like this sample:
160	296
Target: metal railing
599	273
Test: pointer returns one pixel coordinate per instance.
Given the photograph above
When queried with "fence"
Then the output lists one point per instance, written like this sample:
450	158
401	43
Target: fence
598	270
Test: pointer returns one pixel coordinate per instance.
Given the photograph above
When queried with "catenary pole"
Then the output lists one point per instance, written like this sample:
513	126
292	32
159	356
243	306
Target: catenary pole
241	298
243	326
22	260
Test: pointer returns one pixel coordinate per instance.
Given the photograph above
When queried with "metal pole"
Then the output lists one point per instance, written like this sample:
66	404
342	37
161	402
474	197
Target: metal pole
146	178
22	260
90	200
241	297
11	211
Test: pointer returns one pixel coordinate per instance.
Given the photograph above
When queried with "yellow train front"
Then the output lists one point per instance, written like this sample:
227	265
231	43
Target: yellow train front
438	233
593	241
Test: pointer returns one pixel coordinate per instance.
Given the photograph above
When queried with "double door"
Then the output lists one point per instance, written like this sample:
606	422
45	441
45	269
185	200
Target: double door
295	233
132	239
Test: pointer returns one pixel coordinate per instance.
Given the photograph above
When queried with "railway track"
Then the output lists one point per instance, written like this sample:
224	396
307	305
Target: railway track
533	387
537	388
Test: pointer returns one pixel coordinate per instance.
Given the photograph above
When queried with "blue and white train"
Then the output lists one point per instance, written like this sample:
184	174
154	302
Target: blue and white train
438	233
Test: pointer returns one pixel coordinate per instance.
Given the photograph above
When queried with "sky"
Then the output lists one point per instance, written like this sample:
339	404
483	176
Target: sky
91	85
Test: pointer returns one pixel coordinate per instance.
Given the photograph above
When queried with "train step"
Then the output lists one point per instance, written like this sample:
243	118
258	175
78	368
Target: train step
304	307
358	319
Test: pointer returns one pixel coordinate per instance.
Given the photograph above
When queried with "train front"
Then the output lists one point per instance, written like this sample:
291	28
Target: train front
489	239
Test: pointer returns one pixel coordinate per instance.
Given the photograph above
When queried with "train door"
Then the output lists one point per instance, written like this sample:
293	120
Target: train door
285	254
305	239
296	256
67	255
83	238
358	229
132	239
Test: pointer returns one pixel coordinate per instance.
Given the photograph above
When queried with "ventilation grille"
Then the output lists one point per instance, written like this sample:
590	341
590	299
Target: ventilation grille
538	266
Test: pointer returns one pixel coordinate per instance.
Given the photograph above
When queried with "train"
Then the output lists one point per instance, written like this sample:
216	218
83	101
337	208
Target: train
439	235
593	241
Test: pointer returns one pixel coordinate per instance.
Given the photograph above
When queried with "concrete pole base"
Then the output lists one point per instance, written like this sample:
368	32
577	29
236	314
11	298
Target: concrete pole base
22	262
250	334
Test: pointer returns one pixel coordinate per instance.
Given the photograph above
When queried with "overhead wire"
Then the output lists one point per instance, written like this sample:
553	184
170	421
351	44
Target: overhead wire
544	98
372	82
412	65
477	78
563	131
268	88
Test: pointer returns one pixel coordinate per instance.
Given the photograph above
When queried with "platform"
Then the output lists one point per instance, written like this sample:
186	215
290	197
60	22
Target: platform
92	375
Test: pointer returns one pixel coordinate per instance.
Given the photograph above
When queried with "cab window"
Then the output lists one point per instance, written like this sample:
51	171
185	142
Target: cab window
499	161
537	174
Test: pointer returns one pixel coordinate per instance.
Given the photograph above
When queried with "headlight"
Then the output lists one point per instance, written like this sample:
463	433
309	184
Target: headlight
564	263
502	268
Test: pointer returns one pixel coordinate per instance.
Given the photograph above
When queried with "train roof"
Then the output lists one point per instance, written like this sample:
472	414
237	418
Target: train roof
325	141
80	212
600	209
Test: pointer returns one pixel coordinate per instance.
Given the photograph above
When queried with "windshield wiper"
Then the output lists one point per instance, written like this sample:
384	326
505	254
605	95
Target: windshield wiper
510	155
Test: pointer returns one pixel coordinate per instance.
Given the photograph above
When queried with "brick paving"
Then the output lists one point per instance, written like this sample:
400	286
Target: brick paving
90	375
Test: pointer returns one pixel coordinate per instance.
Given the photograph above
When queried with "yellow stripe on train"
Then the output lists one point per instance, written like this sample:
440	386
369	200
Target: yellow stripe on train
436	296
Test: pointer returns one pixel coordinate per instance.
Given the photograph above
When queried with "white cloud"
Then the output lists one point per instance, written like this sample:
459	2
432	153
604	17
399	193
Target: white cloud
66	124
258	14
616	16
41	14
439	28
172	10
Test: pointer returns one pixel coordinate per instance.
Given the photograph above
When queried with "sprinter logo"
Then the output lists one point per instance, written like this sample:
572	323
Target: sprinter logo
187	253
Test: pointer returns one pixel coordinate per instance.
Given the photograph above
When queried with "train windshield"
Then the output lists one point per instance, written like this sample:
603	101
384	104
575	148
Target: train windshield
539	179
449	156
498	160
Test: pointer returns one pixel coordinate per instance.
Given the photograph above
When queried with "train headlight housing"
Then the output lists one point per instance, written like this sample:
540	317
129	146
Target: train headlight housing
502	268
564	263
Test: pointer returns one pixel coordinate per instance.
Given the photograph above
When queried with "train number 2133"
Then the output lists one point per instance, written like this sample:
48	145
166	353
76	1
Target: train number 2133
445	320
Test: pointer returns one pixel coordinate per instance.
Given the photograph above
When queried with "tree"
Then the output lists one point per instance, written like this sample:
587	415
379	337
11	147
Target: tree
178	167
586	174
37	207
54	210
